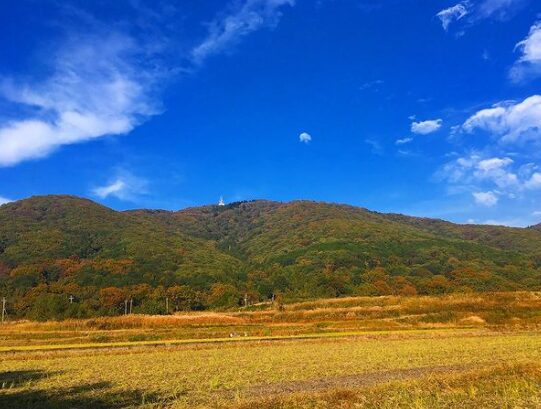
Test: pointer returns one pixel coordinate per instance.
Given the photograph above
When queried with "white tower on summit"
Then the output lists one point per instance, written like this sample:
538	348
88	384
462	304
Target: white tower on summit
221	202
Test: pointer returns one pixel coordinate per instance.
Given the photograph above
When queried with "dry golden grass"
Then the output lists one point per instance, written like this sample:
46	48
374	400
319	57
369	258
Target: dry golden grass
467	351
498	311
130	321
240	374
504	386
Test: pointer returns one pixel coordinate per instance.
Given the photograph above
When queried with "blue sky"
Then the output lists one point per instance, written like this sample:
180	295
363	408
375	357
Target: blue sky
424	107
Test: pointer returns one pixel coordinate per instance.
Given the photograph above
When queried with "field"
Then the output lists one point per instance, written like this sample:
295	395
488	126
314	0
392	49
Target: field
473	351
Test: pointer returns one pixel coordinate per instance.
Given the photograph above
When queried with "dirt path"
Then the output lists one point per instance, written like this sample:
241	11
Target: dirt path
348	381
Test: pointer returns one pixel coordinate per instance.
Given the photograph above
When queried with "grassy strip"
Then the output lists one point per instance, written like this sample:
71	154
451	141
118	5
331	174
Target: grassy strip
127	344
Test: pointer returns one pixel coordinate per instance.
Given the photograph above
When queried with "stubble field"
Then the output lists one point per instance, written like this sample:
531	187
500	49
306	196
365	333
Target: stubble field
314	355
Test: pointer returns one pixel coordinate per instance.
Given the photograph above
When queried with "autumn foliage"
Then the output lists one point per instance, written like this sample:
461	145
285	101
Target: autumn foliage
63	257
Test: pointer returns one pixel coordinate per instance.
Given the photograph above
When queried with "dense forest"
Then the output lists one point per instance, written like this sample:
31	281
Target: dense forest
64	256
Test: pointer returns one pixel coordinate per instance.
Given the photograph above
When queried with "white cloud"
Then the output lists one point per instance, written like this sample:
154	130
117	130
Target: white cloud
488	165
489	179
105	82
96	89
426	127
531	46
529	63
403	141
472	12
509	121
495	170
499	176
536	213
534	182
498	9
305	137
454	13
4	200
248	16
473	169
112	189
488	199
125	186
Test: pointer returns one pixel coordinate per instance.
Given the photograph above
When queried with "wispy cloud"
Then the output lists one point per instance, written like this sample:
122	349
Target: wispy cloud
375	146
472	12
124	186
454	13
529	63
499	9
426	127
499	176
495	170
474	169
97	88
373	85
104	80
403	141
305	137
504	173
246	17
114	188
488	199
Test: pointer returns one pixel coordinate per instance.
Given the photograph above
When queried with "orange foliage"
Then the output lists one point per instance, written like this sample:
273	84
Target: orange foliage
111	297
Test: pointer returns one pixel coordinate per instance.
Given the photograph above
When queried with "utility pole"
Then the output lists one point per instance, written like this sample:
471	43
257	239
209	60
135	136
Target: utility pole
3	309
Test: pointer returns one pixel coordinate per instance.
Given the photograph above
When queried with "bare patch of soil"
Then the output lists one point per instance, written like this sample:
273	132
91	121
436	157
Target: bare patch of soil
348	381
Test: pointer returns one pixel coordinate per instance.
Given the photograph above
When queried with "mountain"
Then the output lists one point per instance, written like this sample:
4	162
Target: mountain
536	227
49	244
46	228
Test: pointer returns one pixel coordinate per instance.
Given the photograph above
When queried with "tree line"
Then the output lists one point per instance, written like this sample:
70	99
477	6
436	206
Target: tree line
74	288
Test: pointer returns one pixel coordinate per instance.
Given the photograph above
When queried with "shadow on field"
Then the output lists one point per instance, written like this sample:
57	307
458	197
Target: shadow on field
12	379
16	391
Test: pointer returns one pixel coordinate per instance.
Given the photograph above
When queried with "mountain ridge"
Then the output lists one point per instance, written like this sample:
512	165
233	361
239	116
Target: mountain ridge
304	249
253	201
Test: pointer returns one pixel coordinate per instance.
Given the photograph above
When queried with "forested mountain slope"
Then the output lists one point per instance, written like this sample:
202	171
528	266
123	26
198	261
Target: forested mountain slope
214	255
49	228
